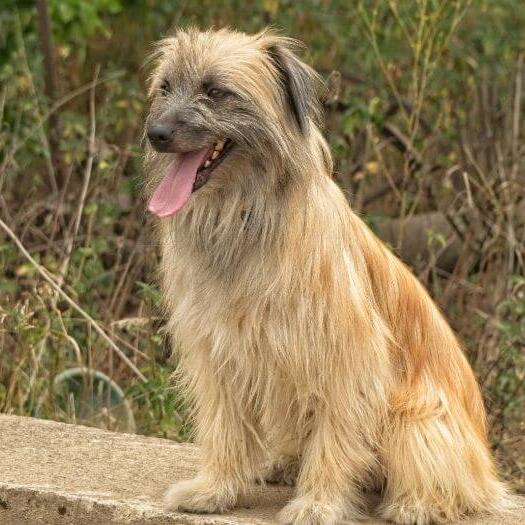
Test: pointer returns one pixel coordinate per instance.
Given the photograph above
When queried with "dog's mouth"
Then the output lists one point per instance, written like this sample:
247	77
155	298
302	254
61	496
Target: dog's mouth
186	176
215	156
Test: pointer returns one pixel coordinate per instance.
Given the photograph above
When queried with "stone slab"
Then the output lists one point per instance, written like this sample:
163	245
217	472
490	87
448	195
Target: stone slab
54	473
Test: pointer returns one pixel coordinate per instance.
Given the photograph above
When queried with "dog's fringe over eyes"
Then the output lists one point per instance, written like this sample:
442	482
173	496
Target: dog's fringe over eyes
303	341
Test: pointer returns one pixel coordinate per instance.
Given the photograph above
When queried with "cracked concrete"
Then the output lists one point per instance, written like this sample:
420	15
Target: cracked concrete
53	473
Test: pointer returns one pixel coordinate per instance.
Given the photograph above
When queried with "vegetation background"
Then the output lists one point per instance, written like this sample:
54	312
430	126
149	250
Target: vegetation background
425	119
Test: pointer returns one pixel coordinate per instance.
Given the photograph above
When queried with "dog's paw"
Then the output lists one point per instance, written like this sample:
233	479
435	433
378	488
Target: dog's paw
284	471
305	511
198	495
404	513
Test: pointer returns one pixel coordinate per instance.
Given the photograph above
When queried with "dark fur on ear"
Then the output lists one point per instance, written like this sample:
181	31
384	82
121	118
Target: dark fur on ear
299	81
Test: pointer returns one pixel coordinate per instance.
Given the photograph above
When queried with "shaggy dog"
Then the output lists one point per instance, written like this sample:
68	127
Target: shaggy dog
303	340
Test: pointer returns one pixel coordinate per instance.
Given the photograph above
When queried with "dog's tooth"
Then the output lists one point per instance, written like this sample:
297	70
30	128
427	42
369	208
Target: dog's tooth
207	163
220	145
215	154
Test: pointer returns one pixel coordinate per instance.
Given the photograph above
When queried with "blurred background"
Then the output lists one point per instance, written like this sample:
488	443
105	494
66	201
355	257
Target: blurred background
425	118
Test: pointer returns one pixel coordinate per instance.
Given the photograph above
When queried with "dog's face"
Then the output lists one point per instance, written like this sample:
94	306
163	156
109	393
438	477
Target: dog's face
219	96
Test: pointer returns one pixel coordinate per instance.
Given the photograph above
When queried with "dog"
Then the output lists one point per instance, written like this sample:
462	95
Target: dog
304	343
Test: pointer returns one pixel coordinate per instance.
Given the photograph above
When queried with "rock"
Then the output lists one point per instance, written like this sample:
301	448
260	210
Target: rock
54	473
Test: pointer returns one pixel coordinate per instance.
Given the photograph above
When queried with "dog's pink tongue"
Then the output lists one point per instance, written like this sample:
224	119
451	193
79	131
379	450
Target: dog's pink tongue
175	188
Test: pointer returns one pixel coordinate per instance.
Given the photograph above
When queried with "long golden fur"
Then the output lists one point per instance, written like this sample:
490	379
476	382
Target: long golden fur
303	340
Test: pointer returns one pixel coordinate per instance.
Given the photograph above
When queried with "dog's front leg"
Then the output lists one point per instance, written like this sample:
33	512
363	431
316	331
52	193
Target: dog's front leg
333	460
230	448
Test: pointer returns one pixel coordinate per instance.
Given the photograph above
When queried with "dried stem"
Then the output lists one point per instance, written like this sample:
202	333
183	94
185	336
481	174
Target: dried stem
47	277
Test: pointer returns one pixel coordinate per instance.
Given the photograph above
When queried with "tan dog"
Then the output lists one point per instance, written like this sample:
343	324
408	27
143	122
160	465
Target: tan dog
302	338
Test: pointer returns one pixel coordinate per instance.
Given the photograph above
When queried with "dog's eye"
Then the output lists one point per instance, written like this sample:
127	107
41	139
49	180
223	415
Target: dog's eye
164	88
215	93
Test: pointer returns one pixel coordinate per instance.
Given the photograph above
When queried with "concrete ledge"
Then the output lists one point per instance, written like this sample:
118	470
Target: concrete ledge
52	473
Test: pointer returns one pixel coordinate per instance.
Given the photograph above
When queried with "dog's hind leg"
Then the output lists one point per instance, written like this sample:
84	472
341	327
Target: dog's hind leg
438	470
285	460
282	469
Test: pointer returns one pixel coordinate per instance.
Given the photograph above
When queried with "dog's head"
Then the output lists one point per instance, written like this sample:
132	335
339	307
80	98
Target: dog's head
221	96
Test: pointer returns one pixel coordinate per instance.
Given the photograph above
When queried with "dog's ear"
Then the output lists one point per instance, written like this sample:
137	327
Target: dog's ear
299	82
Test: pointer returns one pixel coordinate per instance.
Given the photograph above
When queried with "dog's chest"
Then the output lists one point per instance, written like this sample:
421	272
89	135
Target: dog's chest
249	307
237	312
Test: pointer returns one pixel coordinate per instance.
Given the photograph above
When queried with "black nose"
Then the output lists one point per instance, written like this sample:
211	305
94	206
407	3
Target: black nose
160	134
